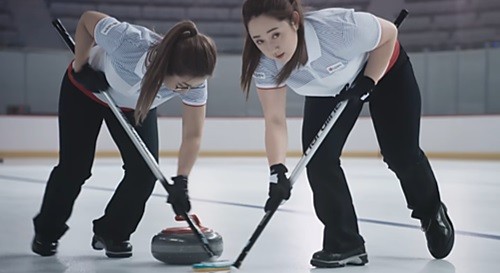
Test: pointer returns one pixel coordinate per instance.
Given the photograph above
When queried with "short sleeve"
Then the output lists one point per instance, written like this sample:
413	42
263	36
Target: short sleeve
109	33
265	74
196	96
362	32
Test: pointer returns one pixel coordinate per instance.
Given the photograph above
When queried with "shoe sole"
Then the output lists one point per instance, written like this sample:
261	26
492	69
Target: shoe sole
357	260
111	254
99	245
43	253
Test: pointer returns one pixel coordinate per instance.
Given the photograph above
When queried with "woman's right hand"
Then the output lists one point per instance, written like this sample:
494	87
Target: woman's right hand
178	195
91	79
280	187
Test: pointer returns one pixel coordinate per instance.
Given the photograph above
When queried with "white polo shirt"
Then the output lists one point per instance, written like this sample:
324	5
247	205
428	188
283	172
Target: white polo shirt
121	53
338	41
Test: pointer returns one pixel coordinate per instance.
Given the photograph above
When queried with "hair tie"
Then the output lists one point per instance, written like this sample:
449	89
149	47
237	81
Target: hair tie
189	33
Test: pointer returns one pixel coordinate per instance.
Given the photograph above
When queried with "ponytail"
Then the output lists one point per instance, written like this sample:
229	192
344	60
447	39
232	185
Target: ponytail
183	52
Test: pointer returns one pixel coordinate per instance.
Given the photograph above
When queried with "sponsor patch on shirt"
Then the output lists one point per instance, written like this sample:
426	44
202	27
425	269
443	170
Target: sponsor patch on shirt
334	67
259	75
108	27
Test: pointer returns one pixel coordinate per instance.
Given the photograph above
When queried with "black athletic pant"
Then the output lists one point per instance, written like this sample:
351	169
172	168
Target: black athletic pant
395	111
80	119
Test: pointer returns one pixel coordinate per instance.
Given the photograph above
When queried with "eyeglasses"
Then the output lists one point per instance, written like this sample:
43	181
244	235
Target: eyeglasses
184	87
180	88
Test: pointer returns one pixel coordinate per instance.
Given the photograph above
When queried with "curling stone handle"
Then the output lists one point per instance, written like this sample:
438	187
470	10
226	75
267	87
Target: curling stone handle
193	217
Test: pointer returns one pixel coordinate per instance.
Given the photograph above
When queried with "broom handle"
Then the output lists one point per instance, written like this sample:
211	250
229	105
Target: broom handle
139	144
308	154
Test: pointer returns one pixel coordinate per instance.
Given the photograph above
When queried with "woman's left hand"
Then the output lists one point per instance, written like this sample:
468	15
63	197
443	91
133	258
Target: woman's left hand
358	90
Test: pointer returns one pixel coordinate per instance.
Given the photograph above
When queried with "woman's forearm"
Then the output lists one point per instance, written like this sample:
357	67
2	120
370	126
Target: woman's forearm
276	140
84	36
188	153
381	55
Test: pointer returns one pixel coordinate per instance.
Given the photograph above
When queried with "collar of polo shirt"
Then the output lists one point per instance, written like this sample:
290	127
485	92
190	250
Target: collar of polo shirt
140	68
312	42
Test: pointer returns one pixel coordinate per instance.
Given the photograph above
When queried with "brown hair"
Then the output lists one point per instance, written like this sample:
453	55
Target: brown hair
183	52
280	10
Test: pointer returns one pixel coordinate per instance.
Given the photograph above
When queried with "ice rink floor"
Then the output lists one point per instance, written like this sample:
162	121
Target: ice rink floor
228	194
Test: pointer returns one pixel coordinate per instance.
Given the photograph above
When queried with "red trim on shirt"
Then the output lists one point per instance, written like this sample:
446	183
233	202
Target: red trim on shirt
395	55
87	92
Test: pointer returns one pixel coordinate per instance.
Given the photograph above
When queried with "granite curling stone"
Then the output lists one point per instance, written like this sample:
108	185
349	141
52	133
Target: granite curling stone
180	246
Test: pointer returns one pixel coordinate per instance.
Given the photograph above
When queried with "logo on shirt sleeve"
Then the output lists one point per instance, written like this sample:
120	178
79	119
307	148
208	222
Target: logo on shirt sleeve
259	75
105	30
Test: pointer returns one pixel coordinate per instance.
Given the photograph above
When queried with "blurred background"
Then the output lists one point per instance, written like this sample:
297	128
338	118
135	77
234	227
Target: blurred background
454	46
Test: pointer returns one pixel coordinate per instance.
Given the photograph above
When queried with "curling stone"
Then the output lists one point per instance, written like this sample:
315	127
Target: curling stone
180	246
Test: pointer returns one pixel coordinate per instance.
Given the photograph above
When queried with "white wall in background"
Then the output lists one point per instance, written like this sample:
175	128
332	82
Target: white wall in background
463	134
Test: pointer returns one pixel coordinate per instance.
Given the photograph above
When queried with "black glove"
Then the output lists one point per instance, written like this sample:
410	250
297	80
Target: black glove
279	187
359	88
178	195
93	80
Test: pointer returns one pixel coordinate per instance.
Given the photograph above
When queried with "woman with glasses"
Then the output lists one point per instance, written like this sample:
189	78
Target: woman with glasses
140	70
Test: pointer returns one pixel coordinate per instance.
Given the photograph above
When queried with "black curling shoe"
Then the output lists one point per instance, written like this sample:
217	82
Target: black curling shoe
113	248
44	247
326	259
439	233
